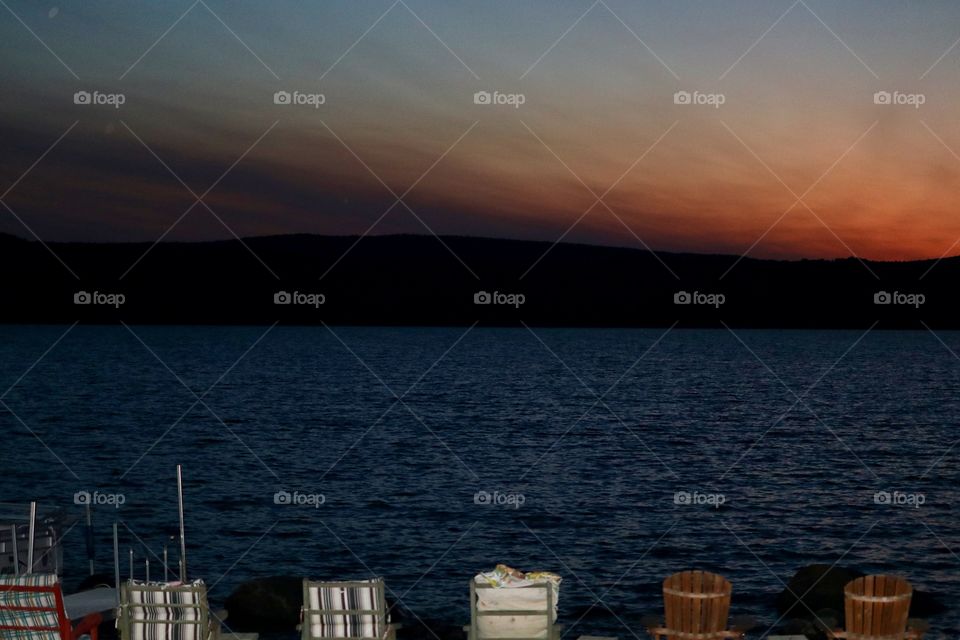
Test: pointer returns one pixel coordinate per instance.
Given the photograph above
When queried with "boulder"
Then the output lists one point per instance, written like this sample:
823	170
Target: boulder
96	580
825	585
265	605
925	604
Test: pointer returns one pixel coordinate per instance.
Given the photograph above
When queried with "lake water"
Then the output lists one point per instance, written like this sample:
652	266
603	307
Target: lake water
588	439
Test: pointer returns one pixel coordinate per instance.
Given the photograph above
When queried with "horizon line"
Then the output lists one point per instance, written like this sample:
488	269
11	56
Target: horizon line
427	236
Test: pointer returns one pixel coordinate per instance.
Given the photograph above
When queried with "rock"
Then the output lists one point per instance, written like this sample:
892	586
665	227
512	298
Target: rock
96	580
265	605
828	619
925	604
825	585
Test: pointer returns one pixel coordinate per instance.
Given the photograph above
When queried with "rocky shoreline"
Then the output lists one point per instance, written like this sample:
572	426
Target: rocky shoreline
812	599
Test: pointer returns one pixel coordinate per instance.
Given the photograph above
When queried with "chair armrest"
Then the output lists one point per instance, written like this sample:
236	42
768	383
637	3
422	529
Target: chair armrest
214	633
662	632
88	625
916	628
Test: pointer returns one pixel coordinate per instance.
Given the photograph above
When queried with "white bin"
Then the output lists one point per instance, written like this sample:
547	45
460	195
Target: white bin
531	598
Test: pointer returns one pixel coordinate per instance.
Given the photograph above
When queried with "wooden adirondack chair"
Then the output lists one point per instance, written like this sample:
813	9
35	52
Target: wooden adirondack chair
696	607
877	608
31	607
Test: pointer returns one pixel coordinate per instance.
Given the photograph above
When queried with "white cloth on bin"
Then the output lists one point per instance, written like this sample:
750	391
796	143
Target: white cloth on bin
509	593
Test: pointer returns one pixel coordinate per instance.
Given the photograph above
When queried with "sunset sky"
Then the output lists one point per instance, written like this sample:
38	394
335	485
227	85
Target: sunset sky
598	80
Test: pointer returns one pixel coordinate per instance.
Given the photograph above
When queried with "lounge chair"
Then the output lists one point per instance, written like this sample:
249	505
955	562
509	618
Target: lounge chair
514	613
165	611
696	607
355	610
877	607
31	608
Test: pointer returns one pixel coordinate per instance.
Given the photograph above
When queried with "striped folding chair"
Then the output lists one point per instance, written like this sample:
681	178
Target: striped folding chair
345	610
165	611
31	608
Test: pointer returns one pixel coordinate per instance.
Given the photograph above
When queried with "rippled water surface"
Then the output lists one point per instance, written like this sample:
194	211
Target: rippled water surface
594	431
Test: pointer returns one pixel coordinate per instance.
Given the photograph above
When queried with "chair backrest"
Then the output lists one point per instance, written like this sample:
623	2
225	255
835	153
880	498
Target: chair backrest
31	608
353	610
698	603
877	607
512	613
163	611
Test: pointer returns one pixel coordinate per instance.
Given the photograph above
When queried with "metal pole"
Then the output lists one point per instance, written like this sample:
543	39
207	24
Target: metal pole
183	542
146	562
131	564
16	550
165	565
33	527
116	560
90	552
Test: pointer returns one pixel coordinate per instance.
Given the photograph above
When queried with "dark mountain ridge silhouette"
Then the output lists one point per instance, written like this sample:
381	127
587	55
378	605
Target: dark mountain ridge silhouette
423	280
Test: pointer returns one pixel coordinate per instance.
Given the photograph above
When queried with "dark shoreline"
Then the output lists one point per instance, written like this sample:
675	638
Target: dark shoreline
421	281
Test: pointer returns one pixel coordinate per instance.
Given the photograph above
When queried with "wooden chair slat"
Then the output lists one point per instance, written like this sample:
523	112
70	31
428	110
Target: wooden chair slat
868	590
686	582
697	604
